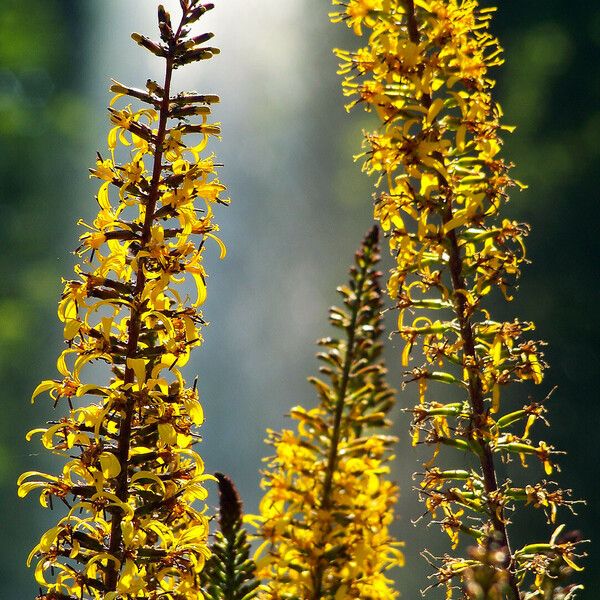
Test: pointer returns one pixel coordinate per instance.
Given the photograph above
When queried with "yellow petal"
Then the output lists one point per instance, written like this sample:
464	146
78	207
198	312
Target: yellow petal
167	434
138	365
41	388
110	465
71	328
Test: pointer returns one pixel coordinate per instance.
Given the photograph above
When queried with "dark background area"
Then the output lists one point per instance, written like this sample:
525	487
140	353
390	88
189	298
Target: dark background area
299	208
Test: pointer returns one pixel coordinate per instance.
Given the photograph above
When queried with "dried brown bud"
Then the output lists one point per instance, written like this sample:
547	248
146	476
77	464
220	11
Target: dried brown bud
230	504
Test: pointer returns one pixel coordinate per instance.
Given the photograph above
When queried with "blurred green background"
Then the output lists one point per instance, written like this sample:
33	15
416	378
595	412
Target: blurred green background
299	208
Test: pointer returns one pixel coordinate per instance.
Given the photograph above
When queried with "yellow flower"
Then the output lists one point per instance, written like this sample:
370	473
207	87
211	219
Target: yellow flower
133	484
328	506
425	70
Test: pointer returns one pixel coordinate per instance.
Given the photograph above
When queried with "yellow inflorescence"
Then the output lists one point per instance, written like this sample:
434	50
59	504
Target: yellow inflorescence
326	514
353	540
132	483
425	72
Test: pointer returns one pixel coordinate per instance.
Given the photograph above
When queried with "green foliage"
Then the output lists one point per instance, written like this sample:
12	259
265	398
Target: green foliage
229	573
40	136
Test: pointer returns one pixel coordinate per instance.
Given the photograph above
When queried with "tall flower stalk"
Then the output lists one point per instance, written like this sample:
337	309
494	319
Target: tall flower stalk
133	484
425	72
328	505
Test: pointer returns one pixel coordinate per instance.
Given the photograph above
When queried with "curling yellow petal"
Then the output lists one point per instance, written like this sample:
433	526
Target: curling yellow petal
44	386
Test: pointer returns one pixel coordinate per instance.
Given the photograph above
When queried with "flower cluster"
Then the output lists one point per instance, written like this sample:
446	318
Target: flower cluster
326	513
485	576
425	72
132	482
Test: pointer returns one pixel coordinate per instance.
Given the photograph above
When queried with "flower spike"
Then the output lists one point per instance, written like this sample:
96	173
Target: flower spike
328	505
132	482
426	73
230	572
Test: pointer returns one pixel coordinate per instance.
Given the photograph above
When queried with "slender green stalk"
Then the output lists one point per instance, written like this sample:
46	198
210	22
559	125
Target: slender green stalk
362	286
325	516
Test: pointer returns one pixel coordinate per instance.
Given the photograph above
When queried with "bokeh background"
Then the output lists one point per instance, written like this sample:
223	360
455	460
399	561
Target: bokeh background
299	208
